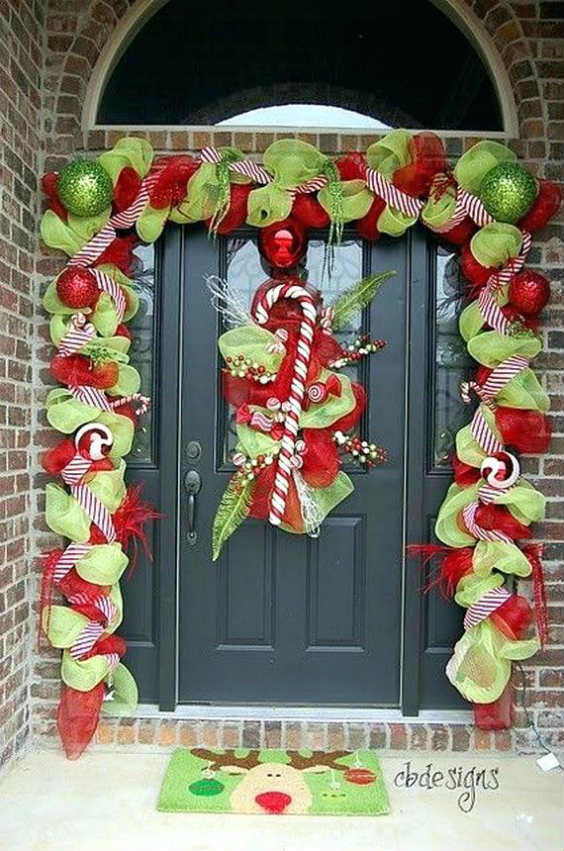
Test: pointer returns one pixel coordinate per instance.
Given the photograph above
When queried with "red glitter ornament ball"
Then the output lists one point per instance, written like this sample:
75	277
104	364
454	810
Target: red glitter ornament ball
529	292
77	288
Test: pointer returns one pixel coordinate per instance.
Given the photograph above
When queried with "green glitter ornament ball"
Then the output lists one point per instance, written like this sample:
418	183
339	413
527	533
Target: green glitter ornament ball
508	192
85	188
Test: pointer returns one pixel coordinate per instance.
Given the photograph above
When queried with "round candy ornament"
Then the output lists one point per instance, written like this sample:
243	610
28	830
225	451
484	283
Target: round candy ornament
508	192
85	188
77	288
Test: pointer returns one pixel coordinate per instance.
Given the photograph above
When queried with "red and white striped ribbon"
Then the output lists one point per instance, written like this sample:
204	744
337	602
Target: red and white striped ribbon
96	510
86	639
487	392
106	284
489	308
73	553
93	630
297	387
80	332
491	311
505	275
483	434
311	185
496	380
484	607
76	469
488	494
90	396
503	374
248	168
469	205
90	252
113	660
393	196
477	531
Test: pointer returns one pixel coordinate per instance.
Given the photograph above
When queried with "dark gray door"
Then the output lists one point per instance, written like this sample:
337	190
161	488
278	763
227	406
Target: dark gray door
282	618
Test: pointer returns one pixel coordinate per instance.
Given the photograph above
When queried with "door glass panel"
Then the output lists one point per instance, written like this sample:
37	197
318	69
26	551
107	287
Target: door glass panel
452	363
143	328
245	271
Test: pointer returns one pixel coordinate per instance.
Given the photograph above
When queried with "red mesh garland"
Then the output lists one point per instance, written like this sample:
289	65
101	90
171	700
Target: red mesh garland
498	518
428	159
126	189
352	166
464	474
49	561
460	233
547	204
120	253
533	552
307	210
237	212
77	717
74	370
170	187
525	431
474	272
367	227
130	520
49	186
453	565
497	715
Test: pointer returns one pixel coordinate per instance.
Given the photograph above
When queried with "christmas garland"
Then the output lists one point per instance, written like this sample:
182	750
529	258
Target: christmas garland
293	410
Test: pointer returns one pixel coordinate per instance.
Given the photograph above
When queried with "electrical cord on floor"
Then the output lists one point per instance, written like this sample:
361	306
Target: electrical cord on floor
530	723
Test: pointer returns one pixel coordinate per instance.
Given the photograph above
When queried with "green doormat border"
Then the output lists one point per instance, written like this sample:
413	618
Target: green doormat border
273	782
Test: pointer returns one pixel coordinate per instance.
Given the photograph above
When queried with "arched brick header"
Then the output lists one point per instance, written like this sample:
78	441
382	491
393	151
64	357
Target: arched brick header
93	37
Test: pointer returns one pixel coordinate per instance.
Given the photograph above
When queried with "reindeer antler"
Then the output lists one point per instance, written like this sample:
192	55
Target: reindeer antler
327	758
217	760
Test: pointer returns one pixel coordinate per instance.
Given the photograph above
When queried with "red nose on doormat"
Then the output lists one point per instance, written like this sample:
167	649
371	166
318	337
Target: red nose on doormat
273	802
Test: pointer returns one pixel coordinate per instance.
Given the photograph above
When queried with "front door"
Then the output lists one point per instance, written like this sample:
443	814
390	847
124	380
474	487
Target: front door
281	618
285	618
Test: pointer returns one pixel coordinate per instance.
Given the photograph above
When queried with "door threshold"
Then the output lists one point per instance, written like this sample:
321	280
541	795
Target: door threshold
304	713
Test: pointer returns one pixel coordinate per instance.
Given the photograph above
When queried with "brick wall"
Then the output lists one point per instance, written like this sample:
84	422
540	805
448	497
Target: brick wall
528	36
21	60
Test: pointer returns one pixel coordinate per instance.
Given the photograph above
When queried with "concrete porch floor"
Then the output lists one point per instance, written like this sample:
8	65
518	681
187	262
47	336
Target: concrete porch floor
107	800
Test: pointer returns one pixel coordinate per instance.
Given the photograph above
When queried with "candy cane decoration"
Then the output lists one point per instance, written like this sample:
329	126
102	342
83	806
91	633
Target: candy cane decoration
297	388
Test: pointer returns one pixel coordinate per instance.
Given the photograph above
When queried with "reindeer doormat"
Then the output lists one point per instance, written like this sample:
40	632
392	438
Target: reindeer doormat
274	782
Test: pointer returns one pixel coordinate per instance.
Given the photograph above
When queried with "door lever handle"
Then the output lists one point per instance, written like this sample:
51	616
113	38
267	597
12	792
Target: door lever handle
192	485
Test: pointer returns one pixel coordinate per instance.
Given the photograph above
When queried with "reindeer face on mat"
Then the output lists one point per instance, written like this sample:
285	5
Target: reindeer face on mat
271	787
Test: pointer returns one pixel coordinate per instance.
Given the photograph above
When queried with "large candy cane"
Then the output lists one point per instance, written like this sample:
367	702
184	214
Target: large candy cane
297	387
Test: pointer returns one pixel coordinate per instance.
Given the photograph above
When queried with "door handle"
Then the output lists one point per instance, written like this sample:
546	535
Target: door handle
192	485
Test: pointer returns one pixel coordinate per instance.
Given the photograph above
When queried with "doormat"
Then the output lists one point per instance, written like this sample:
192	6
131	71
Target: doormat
274	782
